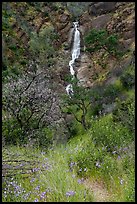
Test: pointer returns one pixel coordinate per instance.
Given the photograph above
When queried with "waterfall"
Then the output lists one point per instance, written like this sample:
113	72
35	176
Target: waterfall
75	54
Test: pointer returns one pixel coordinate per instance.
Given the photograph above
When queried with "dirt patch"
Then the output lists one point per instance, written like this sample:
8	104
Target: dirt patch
99	191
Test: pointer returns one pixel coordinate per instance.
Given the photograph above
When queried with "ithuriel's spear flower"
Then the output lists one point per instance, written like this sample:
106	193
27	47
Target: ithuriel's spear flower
70	193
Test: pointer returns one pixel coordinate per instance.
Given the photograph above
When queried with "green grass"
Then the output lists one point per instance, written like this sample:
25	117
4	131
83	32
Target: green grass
55	181
108	155
60	170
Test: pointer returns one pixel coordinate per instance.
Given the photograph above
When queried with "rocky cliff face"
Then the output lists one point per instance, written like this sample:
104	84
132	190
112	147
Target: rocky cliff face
115	17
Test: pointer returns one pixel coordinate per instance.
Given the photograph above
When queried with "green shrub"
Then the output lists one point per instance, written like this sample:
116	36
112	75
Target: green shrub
73	129
124	113
103	95
108	133
78	103
45	137
128	77
111	91
96	108
100	39
128	80
86	158
12	132
42	45
96	161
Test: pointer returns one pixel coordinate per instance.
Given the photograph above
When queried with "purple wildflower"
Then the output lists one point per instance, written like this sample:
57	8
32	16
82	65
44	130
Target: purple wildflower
108	149
47	167
32	180
42	196
43	193
79	181
125	148
21	164
37	188
35	169
42	153
25	196
85	193
98	164
70	193
36	200
17	187
72	164
119	157
17	167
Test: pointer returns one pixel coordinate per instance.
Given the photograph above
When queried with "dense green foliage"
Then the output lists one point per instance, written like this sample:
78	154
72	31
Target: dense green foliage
77	103
24	113
128	77
76	8
21	41
100	39
107	133
124	113
41	46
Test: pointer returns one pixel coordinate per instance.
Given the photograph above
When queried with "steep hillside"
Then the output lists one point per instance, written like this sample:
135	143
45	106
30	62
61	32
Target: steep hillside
21	19
116	18
68	101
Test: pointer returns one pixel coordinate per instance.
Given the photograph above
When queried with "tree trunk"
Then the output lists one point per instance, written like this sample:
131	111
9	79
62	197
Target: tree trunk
83	121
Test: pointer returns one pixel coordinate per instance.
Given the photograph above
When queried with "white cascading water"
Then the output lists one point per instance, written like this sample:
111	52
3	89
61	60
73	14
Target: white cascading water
75	55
